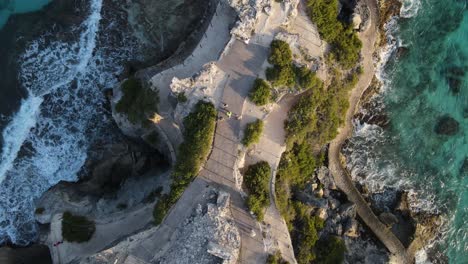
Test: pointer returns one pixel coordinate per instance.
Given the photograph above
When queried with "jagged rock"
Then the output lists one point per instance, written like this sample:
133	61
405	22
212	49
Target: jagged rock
455	76
357	20
322	213
347	210
333	203
447	125
402	204
361	16
202	86
351	228
318	193
401	51
312	201
326	178
339	229
388	219
206	237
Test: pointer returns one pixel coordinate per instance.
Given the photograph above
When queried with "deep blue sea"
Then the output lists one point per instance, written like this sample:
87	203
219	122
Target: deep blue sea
423	86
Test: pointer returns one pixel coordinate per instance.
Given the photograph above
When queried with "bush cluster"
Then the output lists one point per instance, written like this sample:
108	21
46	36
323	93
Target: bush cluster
252	133
77	228
198	136
344	41
284	73
331	250
260	93
138	103
256	180
318	114
305	233
276	258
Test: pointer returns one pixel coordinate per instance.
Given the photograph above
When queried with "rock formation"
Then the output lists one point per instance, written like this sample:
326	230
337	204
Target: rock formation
206	86
209	236
447	125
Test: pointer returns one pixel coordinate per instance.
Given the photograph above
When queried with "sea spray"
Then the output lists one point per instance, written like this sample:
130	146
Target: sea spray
65	81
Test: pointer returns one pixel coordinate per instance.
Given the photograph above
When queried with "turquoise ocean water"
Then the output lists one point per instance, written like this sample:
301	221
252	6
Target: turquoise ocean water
9	7
426	83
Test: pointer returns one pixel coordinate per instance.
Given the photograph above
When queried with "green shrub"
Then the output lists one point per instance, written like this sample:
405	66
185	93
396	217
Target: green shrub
252	133
305	233
281	76
260	93
39	210
199	127
331	251
256	180
280	53
345	44
137	102
77	228
181	97
160	210
307	79
276	258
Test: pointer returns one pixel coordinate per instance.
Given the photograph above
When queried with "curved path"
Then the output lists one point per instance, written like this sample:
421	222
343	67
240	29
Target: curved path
338	170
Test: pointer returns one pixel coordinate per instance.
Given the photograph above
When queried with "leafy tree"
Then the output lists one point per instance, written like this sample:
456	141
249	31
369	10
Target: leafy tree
260	93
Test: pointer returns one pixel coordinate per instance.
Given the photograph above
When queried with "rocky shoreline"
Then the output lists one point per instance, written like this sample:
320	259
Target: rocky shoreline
112	164
112	172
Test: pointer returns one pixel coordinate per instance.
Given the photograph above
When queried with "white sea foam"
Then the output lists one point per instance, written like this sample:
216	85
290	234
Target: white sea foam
16	132
57	121
409	8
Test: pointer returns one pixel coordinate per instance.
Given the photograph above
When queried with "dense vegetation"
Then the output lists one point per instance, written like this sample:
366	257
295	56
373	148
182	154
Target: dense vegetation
260	93
312	122
137	102
318	114
77	228
198	135
345	44
284	73
252	133
256	180
331	251
305	233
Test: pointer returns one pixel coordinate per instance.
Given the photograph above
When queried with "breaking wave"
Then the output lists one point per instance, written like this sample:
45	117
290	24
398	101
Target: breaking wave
48	139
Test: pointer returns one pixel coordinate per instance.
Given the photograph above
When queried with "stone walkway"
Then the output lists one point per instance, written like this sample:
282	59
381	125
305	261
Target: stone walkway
338	170
269	149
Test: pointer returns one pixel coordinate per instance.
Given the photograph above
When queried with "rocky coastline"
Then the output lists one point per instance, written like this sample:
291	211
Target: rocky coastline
113	171
111	165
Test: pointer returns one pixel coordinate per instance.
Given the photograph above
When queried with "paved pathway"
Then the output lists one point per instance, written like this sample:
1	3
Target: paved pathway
269	149
338	170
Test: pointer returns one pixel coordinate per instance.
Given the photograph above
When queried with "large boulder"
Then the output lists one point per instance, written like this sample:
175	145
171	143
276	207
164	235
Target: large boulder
351	228
347	210
447	125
